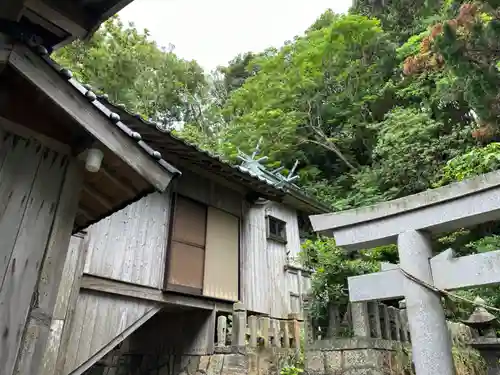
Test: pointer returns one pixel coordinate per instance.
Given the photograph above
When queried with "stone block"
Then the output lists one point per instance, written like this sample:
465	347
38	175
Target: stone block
363	358
363	371
215	365
204	363
333	362
253	364
192	365
315	362
235	364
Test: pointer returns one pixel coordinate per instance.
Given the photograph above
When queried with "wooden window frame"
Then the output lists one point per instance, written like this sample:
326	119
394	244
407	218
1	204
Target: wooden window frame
272	236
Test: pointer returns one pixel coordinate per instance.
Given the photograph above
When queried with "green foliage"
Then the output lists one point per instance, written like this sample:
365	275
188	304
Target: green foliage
472	163
410	150
468	361
291	370
310	98
469	45
402	18
332	268
123	63
340	99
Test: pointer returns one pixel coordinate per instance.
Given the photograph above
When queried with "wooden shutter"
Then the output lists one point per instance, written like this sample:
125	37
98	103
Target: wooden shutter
187	247
222	260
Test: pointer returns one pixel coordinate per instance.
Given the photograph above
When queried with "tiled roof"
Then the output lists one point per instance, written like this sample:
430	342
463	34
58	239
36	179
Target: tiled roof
114	118
148	135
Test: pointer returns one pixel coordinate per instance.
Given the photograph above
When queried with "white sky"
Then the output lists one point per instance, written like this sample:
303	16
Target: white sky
214	31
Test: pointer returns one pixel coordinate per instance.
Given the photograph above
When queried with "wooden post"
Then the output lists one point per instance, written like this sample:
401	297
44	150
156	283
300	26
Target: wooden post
386	331
221	331
286	335
333	321
65	304
264	330
238	336
360	319
308	323
40	325
277	333
252	325
405	334
295	328
394	315
272	333
375	323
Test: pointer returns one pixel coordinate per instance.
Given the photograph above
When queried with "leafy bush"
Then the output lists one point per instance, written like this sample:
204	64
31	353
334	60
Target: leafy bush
475	162
333	266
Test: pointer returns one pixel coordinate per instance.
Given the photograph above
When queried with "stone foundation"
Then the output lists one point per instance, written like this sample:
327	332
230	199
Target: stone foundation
355	356
267	361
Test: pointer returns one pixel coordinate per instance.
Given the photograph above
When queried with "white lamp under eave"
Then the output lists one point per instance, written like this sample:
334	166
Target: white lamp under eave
93	160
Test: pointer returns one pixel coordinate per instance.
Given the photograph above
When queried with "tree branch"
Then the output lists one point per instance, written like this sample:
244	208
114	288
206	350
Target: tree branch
322	139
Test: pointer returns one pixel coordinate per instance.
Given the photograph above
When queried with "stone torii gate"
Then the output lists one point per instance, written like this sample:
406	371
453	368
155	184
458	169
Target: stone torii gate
409	222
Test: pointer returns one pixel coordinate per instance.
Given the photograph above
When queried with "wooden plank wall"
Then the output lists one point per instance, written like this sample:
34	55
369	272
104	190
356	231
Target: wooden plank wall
31	178
130	245
101	319
221	256
65	305
209	193
265	284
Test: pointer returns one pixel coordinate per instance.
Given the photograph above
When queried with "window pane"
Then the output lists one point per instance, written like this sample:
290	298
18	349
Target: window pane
189	222
186	265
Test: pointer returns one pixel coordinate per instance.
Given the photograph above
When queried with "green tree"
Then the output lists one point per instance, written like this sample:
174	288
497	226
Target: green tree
311	99
126	65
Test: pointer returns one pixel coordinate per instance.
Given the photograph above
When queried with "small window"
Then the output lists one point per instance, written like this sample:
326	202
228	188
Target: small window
276	229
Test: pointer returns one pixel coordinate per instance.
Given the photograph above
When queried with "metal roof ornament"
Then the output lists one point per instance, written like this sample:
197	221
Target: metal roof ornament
275	177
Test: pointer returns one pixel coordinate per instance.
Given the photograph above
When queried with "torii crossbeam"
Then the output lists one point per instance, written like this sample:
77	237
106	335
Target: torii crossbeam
409	222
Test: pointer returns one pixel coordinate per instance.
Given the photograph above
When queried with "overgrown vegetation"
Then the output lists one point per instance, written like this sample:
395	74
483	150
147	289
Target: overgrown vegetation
391	99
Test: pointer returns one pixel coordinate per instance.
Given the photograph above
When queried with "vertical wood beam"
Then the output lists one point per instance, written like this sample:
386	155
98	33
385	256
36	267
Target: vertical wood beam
25	246
40	322
65	305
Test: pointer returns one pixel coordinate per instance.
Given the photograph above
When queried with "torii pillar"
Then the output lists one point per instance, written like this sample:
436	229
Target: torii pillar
409	222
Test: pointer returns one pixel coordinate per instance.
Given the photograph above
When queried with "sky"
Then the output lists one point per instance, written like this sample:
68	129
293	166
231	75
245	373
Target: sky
214	31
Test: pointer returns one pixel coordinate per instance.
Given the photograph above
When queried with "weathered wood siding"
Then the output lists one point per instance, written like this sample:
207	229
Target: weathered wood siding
60	327
130	245
100	322
221	256
209	193
266	285
31	179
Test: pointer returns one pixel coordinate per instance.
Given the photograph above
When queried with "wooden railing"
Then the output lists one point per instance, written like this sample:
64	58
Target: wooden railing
243	330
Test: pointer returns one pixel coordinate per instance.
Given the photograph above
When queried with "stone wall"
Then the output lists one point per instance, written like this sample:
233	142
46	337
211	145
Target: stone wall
254	362
355	356
127	360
